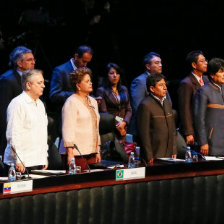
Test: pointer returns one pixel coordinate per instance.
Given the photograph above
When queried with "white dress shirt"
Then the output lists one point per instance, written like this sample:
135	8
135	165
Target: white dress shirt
73	63
26	131
197	77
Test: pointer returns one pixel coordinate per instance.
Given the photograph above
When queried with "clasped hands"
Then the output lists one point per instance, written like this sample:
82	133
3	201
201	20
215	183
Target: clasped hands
121	128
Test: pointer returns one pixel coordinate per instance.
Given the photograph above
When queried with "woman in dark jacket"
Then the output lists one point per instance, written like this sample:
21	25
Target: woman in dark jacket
115	99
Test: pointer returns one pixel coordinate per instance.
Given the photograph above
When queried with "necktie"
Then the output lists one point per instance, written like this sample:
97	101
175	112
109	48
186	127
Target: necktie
201	81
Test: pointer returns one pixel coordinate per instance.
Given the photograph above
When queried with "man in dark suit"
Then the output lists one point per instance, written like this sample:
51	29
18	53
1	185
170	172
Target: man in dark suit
197	64
155	120
153	65
20	59
60	87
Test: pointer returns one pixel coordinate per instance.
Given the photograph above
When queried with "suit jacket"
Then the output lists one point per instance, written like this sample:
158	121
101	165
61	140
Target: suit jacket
110	105
156	128
138	92
188	87
60	87
209	118
10	87
80	126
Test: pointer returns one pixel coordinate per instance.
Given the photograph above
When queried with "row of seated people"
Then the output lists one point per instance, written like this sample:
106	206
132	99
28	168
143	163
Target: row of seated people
157	136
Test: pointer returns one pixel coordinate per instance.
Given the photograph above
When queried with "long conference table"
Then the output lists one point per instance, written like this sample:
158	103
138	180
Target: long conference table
169	193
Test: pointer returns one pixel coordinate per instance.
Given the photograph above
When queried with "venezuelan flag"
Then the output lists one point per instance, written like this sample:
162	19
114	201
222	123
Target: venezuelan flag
6	188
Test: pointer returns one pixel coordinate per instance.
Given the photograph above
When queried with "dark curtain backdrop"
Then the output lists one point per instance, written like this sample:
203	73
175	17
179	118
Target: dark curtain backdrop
119	31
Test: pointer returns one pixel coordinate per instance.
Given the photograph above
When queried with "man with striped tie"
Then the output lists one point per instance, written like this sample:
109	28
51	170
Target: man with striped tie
196	66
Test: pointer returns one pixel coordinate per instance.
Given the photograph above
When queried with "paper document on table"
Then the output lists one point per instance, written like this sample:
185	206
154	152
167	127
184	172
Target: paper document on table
37	176
116	166
171	160
56	172
93	170
213	158
3	178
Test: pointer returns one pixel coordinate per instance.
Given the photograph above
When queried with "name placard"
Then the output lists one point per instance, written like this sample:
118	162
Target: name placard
132	173
17	187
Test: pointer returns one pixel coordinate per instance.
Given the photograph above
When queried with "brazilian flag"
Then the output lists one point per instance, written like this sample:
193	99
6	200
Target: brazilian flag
119	174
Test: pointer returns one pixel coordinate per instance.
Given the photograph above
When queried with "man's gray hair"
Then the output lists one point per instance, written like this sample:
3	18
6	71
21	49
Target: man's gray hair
27	76
17	55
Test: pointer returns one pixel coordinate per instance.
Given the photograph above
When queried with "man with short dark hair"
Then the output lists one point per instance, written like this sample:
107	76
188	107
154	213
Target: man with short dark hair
197	66
27	125
209	111
155	120
60	87
20	59
153	65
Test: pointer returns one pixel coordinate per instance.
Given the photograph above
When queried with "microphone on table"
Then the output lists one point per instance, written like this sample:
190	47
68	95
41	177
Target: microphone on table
76	147
1	163
28	176
144	162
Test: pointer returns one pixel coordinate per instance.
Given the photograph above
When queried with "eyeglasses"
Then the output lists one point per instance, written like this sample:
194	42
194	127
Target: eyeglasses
31	59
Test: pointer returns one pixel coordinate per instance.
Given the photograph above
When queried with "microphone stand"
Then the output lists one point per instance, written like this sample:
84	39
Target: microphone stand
76	147
28	176
1	163
144	162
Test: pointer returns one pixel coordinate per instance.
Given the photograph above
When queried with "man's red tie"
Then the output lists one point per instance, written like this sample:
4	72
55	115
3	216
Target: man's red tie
201	81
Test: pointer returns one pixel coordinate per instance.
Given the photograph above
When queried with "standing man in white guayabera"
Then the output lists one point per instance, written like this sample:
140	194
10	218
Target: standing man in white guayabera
27	125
